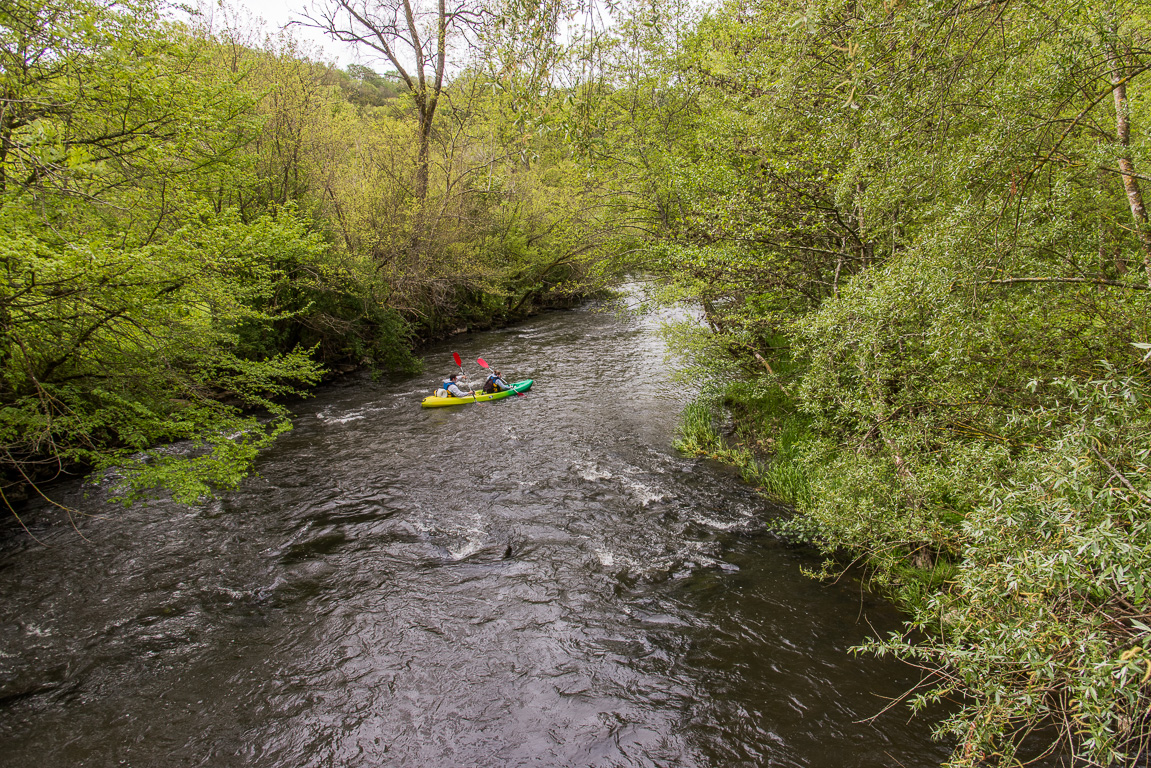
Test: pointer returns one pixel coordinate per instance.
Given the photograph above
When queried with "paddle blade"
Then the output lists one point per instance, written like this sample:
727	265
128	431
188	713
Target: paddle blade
456	357
481	362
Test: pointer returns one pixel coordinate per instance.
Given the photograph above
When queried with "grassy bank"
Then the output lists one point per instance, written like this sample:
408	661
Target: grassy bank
763	440
1023	573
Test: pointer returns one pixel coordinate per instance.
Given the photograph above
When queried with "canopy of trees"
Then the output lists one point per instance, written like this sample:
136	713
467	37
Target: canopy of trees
917	233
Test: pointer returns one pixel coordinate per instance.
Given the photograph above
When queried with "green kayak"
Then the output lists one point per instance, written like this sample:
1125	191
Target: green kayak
431	401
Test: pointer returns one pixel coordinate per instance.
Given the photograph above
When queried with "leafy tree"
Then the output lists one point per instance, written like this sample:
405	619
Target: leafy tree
363	86
414	39
896	218
125	288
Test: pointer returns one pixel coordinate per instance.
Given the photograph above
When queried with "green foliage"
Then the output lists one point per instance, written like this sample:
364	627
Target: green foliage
363	86
696	432
111	350
1045	621
921	224
137	307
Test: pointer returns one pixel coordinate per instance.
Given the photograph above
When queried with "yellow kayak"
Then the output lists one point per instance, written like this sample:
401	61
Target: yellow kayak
431	401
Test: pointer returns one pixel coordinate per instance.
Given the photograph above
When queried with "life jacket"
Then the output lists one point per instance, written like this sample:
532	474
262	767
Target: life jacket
443	391
490	385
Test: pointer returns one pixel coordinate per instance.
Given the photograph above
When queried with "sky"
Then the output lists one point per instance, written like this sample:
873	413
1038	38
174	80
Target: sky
275	14
272	15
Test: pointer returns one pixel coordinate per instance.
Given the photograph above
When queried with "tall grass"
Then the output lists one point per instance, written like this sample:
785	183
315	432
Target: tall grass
784	477
697	433
765	446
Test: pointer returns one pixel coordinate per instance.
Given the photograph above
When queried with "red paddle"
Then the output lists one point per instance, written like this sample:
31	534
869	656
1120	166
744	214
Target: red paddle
460	365
483	364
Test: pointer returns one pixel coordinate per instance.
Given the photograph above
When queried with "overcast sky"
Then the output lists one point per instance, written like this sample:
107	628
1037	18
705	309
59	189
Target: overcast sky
276	13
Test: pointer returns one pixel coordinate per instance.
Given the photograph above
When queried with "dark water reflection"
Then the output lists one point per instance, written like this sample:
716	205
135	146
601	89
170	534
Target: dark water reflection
539	581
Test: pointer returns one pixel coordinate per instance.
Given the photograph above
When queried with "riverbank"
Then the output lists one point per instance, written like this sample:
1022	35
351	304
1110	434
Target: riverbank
1029	600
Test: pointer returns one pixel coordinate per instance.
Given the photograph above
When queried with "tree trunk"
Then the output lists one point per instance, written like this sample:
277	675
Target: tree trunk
1126	165
394	28
423	156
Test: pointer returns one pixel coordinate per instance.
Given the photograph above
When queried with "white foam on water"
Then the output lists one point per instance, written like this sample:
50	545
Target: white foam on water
357	414
470	547
715	523
592	472
645	493
474	539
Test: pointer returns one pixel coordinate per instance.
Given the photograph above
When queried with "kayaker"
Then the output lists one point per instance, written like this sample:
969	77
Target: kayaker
452	387
495	383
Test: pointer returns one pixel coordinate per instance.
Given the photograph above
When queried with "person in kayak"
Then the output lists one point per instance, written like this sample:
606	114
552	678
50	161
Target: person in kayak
452	387
495	383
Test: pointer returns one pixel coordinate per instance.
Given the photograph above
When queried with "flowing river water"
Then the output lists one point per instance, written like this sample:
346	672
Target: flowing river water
538	581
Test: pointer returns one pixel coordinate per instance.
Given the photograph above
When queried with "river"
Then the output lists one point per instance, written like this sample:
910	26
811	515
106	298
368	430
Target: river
538	581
